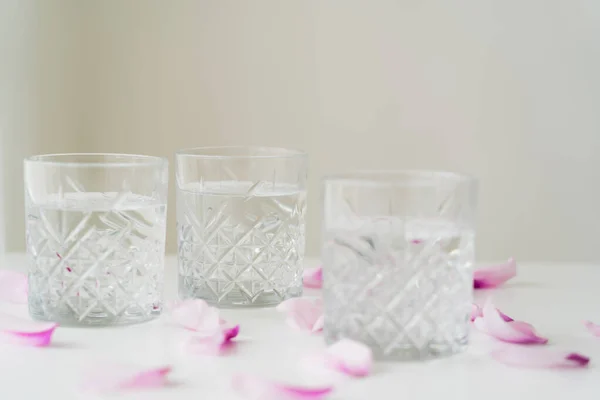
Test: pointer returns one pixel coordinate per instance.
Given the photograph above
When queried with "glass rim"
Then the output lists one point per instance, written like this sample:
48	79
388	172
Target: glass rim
399	176
121	160
269	152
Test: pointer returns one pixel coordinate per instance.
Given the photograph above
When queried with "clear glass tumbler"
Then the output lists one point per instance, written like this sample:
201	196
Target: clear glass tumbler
95	237
240	224
398	252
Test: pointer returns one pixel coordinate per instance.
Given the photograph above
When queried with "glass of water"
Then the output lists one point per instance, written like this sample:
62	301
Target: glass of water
95	237
240	224
398	252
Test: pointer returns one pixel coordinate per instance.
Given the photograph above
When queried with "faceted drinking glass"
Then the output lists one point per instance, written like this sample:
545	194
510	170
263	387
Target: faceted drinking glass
95	237
398	252
240	224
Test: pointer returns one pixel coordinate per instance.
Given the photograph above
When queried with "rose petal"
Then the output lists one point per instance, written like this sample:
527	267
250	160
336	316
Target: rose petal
319	324
495	325
504	316
230	333
350	357
196	315
303	313
313	278
214	334
539	358
206	345
593	328
476	312
13	287
214	344
494	275
147	379
120	377
25	332
255	388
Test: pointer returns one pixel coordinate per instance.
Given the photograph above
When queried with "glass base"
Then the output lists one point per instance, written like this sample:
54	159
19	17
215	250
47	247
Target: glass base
403	351
94	318
235	298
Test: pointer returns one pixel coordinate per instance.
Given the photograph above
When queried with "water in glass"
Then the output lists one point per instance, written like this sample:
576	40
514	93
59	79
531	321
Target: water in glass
240	243
96	258
402	286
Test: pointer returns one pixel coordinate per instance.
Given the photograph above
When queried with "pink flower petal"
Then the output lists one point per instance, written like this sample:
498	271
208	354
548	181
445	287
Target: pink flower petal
196	315
255	388
230	332
13	287
593	328
216	343
303	313
148	379
350	357
207	345
539	358
120	377
313	278
25	332
477	312
213	333
494	324
494	275
319	324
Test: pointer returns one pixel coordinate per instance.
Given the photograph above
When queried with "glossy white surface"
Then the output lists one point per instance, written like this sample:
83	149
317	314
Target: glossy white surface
555	298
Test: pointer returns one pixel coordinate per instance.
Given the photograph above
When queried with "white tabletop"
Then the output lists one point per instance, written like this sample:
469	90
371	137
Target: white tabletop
555	298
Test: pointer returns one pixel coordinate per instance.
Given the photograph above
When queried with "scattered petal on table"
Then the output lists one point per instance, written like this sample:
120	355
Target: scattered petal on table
319	324
229	332
477	312
303	313
593	328
494	275
206	345
13	287
494	324
349	357
313	278
255	388
504	316
215	343
121	377
212	333
25	332
539	357
196	315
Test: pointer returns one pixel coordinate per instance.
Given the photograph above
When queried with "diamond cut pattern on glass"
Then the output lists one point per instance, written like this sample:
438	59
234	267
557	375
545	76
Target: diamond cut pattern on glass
96	266
405	299
240	250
